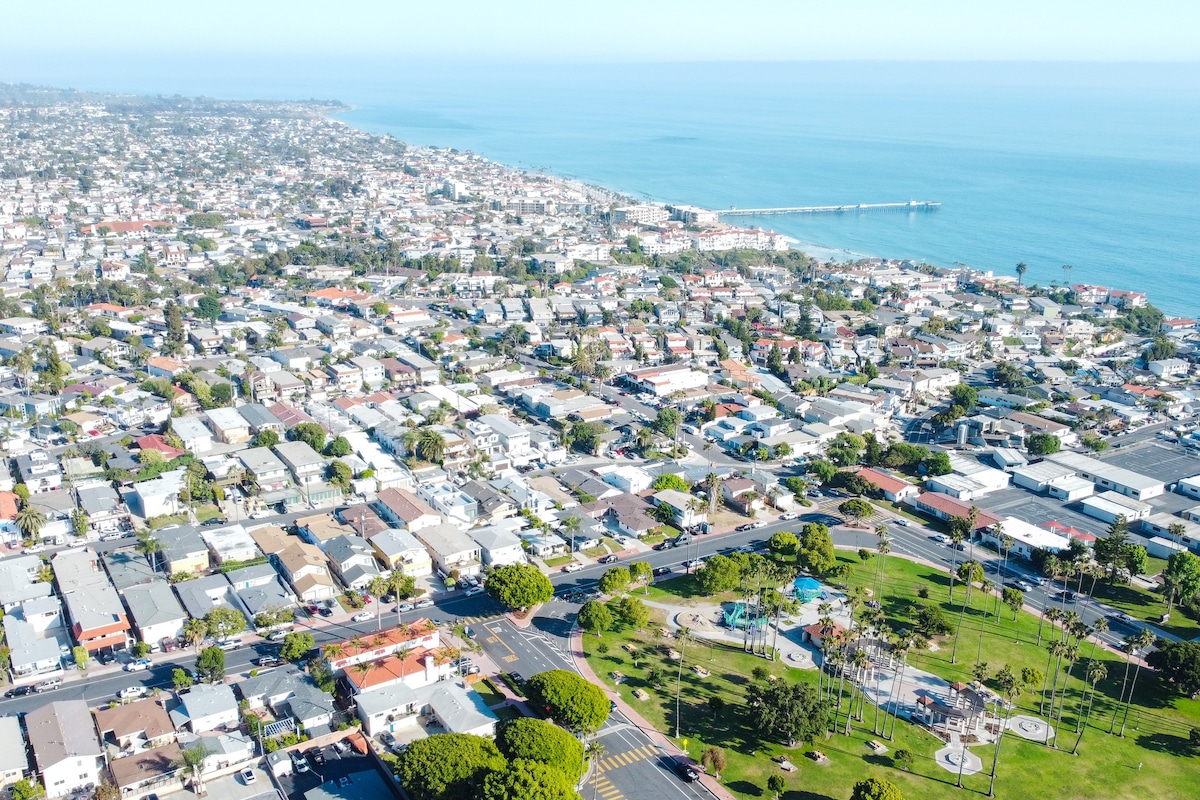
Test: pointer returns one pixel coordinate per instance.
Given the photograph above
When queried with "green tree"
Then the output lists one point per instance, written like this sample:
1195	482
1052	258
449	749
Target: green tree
632	612
937	464
816	553
667	421
340	474
792	712
431	446
380	309
568	699
783	543
1179	665
776	785
538	740
856	509
265	438
876	789
519	586
1042	444
713	759
670	481
719	574
448	766
641	572
339	447
594	617
26	789
211	664
224	622
310	433
1181	578
180	678
825	471
295	645
615	581
524	779
208	307
80	654
1161	348
965	396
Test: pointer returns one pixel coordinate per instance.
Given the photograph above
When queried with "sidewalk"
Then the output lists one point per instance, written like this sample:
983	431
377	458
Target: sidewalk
658	738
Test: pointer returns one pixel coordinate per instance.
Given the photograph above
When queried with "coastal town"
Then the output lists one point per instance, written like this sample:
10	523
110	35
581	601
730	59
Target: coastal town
327	451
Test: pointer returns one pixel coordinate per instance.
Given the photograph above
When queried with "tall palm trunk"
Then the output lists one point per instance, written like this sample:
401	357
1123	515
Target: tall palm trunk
1083	727
1041	621
1137	670
1120	699
1046	681
1062	703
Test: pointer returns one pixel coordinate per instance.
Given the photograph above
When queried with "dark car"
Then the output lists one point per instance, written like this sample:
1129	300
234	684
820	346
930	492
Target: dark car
315	756
19	691
214	521
686	771
516	680
608	559
325	612
389	741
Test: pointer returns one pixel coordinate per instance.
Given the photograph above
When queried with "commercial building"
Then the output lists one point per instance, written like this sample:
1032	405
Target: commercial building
1111	477
1026	538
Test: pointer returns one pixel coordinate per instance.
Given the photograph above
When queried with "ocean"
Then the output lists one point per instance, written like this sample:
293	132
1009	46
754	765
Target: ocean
1092	165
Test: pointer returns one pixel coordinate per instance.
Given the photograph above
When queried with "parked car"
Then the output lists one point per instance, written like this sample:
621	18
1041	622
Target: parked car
426	603
941	538
611	558
130	692
47	685
474	590
363	616
138	666
787	516
20	691
403	607
749	526
325	611
516	680
169	645
277	636
667	545
388	740
574	566
208	523
315	756
744	549
662	571
695	563
248	776
230	644
268	661
299	762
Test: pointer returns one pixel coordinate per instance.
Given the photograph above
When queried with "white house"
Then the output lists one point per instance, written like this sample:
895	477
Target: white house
207	707
499	545
65	746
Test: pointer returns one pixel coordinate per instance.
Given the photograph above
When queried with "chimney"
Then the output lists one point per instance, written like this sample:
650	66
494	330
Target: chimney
430	669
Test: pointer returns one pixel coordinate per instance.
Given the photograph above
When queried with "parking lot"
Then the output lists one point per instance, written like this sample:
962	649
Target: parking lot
1158	460
346	775
234	787
1037	510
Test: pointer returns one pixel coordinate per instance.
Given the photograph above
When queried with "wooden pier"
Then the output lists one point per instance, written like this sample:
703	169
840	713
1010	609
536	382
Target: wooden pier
911	205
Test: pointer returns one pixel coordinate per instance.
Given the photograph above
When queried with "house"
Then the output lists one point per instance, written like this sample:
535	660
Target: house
158	496
353	561
455	707
305	464
399	549
135	726
420	633
414	667
262	467
894	489
499	545
288	693
156	612
93	607
684	510
259	418
201	595
193	432
31	657
65	747
207	707
182	550
304	567
104	510
39	471
451	549
230	543
405	510
14	762
741	494
147	770
260	590
19	581
228	425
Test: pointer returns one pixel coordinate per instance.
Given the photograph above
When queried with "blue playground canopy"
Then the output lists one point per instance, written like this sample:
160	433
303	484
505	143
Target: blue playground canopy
806	588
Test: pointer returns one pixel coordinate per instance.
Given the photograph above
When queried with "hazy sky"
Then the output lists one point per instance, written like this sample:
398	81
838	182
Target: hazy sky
68	32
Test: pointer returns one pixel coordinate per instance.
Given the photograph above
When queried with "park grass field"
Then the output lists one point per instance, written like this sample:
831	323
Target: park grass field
1153	759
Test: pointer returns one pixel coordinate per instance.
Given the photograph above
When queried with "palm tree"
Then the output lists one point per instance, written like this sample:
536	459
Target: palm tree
859	661
684	635
1072	655
884	548
711	484
1052	649
594	751
363	668
191	759
986	587
148	546
334	651
1022	268
30	520
969	572
194	631
643	439
1096	672
1140	642
431	445
1011	687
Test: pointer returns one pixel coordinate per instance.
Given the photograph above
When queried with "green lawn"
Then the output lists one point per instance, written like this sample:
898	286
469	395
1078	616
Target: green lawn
1144	605
488	691
1107	766
560	561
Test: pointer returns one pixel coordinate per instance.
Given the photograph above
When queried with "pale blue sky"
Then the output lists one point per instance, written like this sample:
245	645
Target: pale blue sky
73	31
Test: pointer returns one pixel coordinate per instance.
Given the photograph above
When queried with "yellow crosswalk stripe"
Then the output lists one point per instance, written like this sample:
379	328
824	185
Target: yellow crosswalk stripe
610	793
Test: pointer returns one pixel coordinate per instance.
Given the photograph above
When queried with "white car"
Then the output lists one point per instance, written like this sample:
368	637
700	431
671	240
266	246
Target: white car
138	666
941	538
788	516
695	563
37	548
277	636
132	692
903	523
403	607
248	776
426	603
474	590
574	566
363	616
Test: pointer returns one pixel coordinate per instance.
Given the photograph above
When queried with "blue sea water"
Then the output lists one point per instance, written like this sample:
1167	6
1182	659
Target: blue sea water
1096	166
1093	166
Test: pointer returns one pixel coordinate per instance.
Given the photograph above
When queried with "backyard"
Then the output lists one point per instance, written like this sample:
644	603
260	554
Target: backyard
1107	767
